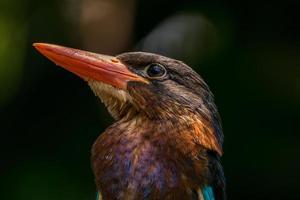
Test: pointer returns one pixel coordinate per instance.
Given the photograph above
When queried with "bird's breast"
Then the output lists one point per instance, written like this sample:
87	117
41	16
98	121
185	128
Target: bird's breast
131	165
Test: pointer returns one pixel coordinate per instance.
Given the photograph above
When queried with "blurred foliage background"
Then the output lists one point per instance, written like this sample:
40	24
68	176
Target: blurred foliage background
248	52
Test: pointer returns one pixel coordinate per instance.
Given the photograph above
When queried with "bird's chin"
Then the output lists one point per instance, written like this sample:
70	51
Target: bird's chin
118	102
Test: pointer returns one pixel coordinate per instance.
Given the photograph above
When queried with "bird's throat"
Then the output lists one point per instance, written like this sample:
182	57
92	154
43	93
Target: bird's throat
118	102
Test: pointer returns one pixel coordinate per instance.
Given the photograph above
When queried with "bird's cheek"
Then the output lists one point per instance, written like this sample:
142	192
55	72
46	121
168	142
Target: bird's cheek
140	94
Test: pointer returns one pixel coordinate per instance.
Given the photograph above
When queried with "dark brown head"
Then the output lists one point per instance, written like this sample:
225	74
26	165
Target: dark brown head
174	89
138	84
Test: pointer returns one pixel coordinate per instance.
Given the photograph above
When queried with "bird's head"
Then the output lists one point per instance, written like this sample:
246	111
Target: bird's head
143	84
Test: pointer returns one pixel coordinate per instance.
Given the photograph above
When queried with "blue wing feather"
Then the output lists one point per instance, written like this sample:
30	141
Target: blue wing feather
208	193
98	196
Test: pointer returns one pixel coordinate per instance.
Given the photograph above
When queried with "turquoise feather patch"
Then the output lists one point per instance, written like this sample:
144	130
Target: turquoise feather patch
208	193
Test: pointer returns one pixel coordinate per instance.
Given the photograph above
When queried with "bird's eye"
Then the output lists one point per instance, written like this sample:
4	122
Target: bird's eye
155	70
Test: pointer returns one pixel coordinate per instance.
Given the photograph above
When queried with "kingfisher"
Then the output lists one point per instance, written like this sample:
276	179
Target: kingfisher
166	141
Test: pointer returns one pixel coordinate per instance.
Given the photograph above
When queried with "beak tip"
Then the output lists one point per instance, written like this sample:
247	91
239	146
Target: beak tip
38	46
44	46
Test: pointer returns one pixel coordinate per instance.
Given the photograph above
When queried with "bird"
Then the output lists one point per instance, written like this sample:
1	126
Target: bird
166	141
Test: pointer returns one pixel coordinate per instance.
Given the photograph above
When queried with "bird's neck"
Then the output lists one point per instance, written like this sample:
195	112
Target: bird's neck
140	152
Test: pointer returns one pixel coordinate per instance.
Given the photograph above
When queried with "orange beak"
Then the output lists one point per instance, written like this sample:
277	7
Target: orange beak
90	66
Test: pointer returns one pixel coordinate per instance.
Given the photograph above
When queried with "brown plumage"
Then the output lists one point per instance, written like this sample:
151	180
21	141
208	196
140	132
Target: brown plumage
167	138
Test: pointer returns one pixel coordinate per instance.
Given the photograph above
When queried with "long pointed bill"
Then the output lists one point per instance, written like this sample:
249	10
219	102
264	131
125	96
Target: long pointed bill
87	65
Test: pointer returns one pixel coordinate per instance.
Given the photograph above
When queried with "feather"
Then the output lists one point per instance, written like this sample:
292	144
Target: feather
98	196
208	194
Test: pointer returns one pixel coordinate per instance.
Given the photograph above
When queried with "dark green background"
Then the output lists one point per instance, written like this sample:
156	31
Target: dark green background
50	118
